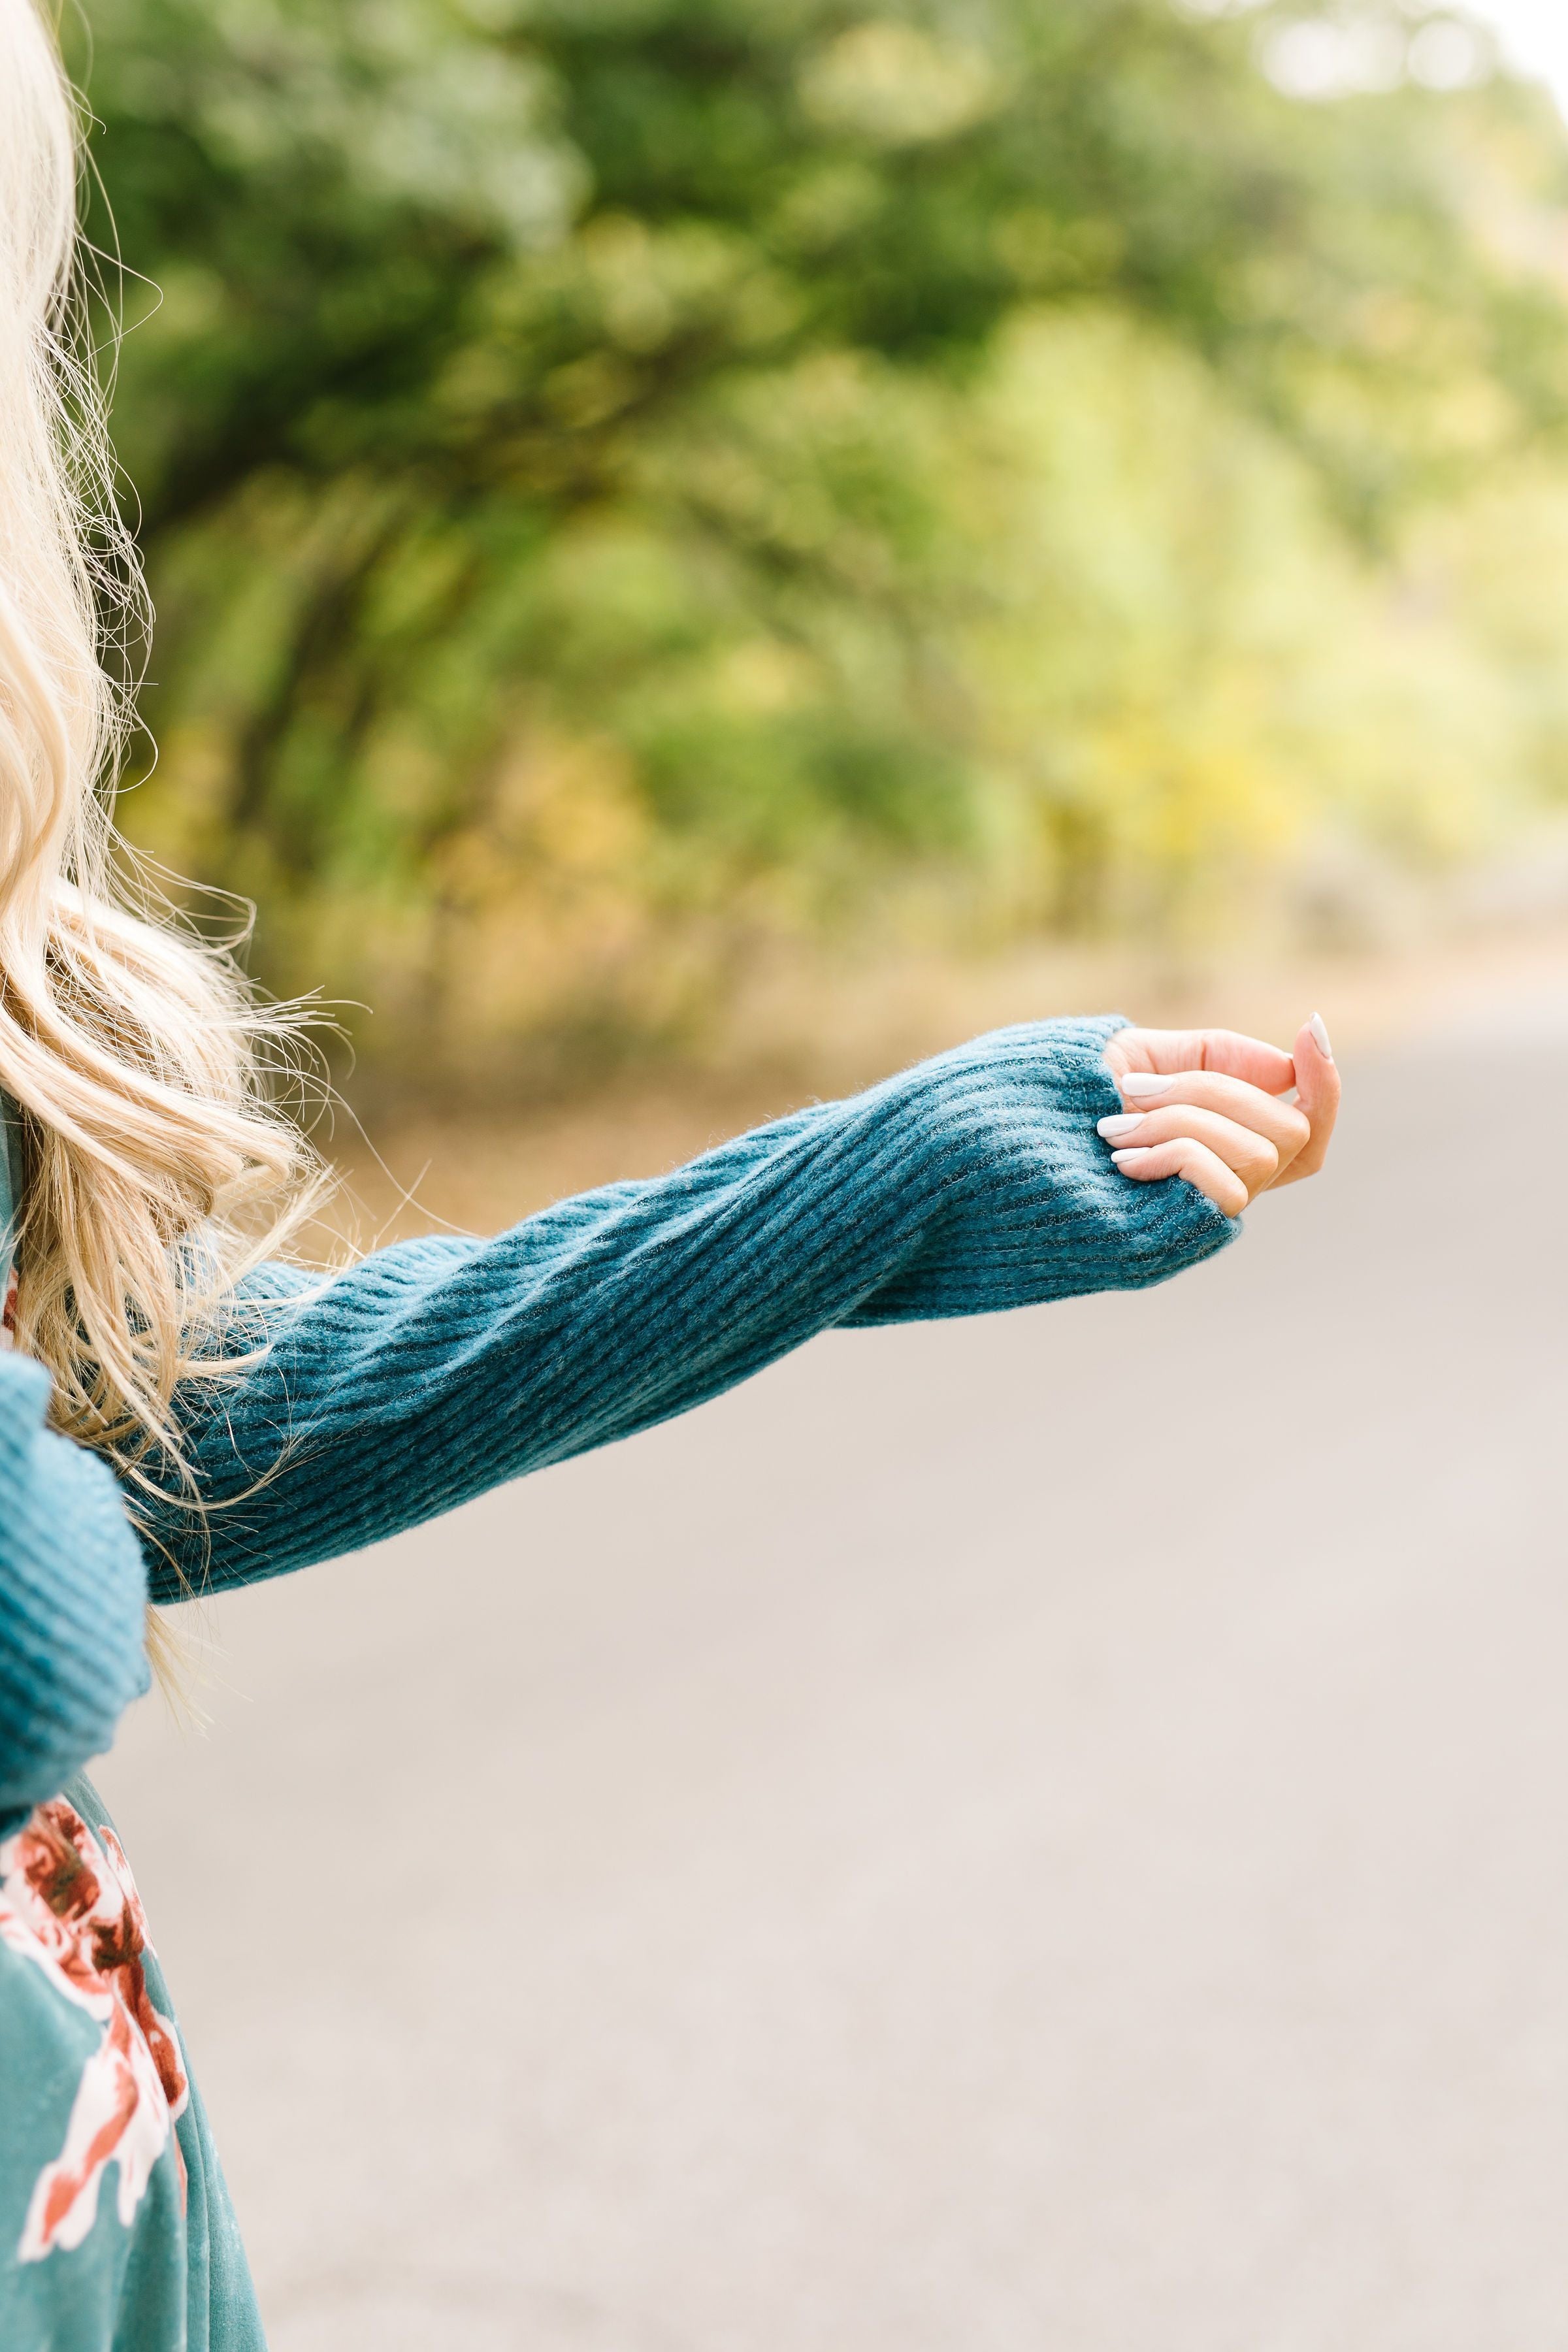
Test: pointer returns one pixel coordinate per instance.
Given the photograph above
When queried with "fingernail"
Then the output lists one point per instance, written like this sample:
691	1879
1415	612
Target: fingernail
1144	1084
1321	1036
1123	1123
1123	1159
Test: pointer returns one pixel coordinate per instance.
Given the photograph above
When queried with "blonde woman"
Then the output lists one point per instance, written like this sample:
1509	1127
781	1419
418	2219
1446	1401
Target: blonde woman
181	1406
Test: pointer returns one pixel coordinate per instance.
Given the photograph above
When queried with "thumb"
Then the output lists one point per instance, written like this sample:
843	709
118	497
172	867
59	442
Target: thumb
1317	1096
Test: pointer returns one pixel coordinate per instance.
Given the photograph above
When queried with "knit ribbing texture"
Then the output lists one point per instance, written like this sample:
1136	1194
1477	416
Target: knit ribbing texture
438	1368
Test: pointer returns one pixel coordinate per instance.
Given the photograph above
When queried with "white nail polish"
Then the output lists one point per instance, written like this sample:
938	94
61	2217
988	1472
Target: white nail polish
1143	1085
1321	1036
1125	1159
1122	1123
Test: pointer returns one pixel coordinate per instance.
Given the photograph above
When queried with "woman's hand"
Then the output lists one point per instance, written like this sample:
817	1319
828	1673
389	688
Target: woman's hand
1204	1104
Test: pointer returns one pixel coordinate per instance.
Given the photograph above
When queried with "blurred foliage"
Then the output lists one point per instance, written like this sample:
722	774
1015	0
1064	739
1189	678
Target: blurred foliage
628	481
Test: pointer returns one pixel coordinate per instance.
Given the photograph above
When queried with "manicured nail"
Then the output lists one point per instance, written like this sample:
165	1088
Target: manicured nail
1321	1036
1122	1123
1125	1159
1142	1085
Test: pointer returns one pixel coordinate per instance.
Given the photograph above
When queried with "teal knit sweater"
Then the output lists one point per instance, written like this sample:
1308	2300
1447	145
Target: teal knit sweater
438	1368
403	1387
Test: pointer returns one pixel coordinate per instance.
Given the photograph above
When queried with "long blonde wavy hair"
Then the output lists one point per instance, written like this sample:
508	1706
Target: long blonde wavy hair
156	1169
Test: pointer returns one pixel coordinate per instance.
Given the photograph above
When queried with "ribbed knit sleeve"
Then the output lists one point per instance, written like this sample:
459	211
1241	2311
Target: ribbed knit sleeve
73	1598
439	1368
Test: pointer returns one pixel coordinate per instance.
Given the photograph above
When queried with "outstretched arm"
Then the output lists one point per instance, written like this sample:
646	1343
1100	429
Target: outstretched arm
437	1368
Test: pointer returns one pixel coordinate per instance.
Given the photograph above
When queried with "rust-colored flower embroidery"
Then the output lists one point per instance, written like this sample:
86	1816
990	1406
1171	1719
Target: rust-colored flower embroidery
69	1904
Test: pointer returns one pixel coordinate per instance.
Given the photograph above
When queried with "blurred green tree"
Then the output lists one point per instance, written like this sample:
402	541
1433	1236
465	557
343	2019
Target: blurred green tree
622	478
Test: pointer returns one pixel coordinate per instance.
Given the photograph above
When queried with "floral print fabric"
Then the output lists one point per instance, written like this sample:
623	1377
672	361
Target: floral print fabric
68	1905
116	2229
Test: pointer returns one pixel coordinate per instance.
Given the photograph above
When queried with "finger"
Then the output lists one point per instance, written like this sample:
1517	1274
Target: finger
1286	1128
1224	1050
1317	1098
1199	1165
1252	1156
1251	1059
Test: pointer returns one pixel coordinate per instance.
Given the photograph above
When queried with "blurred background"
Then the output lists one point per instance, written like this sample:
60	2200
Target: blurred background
676	528
702	547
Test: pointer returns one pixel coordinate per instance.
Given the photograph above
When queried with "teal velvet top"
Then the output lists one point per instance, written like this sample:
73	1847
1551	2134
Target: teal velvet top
377	1398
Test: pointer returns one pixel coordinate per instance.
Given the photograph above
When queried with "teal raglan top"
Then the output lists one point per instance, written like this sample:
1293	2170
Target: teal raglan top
397	1390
